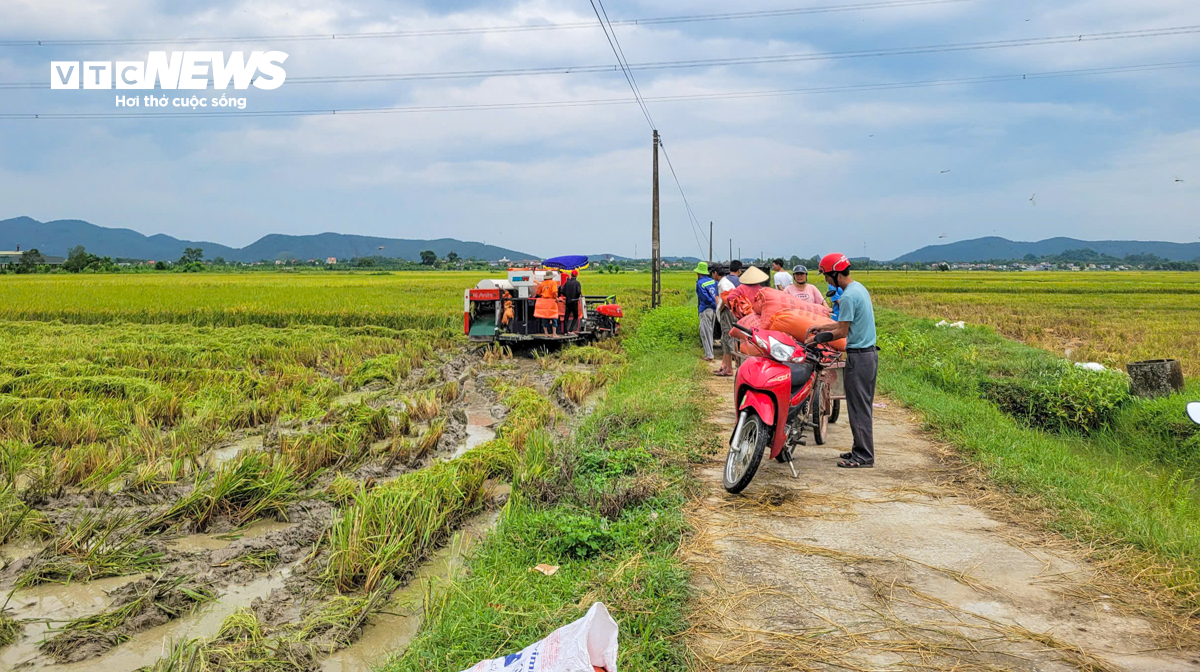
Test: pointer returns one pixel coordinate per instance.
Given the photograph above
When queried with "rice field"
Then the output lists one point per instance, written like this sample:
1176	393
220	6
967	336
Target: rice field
311	437
394	300
1110	318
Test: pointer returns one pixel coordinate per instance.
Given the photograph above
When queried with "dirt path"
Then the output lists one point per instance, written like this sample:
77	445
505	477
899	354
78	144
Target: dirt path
898	568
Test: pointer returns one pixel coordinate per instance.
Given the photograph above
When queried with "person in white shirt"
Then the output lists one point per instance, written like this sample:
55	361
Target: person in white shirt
726	319
782	277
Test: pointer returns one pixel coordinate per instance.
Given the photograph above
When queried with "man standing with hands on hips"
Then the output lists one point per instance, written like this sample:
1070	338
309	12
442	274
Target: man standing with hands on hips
856	324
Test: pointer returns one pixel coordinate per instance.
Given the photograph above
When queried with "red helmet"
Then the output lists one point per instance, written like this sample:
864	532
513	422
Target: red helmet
834	263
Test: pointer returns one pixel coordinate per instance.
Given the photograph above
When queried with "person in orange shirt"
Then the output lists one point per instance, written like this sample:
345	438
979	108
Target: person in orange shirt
546	306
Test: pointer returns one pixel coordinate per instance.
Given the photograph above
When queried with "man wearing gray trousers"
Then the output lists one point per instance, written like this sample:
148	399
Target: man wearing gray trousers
856	323
706	302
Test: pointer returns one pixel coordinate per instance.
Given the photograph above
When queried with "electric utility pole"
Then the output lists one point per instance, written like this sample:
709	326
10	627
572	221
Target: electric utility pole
710	241
655	279
731	249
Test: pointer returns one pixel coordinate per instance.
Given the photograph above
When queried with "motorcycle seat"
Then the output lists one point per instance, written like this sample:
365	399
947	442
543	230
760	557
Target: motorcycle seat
801	372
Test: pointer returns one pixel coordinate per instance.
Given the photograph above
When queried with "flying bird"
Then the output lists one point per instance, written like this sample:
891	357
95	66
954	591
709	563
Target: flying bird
1177	179
942	236
1033	197
945	171
381	247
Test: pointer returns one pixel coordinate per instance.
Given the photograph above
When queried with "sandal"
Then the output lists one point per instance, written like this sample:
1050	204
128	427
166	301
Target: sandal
847	456
723	374
855	463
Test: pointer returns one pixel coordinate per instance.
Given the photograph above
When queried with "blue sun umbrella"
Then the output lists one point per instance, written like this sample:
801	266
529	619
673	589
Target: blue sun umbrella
570	262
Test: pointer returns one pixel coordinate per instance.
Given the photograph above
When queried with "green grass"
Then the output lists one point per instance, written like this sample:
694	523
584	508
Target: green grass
1101	486
10	630
607	506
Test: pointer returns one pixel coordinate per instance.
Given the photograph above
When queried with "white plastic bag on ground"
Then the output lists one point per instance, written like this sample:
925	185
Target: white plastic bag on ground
1091	366
582	646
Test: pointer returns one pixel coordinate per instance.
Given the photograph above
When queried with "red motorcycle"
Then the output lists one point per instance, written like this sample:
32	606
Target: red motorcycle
772	392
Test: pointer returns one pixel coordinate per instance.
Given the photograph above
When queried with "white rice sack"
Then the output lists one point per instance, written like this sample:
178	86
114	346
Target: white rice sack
582	646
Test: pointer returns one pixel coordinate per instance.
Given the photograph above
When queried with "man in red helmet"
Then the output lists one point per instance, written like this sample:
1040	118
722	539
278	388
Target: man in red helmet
856	323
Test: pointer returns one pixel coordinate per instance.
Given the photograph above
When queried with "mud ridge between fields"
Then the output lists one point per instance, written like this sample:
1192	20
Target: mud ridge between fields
896	568
217	558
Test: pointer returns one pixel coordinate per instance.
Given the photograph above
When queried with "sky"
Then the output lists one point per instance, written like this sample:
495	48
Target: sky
878	171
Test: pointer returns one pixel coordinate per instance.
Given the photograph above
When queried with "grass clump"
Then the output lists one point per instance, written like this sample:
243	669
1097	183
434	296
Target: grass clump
387	530
528	412
18	521
345	441
147	603
95	544
576	385
245	488
589	354
263	559
10	630
241	644
393	367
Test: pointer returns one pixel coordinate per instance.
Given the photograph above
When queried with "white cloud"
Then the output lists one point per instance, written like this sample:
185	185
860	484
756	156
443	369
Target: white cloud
768	170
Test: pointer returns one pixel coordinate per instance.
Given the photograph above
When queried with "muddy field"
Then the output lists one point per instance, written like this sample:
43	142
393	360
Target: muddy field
254	543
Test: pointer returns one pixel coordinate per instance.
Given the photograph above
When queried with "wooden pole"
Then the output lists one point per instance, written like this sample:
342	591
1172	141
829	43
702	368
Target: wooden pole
655	272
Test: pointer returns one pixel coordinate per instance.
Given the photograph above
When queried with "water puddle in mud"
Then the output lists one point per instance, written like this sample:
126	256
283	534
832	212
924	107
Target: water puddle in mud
17	550
146	647
389	633
53	604
219	456
217	541
481	426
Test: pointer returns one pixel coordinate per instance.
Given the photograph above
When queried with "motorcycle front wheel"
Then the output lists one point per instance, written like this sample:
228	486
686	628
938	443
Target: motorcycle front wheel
745	452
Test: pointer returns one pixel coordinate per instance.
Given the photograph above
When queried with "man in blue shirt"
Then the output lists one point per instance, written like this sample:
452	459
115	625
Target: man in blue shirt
856	323
706	302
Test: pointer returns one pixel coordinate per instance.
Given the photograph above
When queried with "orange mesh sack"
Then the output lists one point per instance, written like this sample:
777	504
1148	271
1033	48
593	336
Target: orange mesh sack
770	301
740	300
750	322
795	323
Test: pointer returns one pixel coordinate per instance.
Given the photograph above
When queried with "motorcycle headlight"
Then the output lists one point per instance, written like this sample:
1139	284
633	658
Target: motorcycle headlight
781	352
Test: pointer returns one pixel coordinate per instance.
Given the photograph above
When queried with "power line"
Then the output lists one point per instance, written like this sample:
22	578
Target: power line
717	62
611	34
731	95
434	32
688	206
616	49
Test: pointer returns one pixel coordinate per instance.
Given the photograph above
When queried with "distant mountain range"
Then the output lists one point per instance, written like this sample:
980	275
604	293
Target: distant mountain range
992	247
59	236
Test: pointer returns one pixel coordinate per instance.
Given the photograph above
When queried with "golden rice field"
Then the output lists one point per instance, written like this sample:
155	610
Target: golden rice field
1111	318
136	411
395	300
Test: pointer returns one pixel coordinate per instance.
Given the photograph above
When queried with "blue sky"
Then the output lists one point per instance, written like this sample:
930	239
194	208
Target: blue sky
805	174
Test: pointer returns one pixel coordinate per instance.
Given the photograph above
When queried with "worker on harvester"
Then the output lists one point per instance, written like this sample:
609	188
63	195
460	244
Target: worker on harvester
545	308
571	292
856	324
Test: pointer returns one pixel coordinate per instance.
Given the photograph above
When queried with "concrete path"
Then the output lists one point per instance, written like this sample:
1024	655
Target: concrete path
900	567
